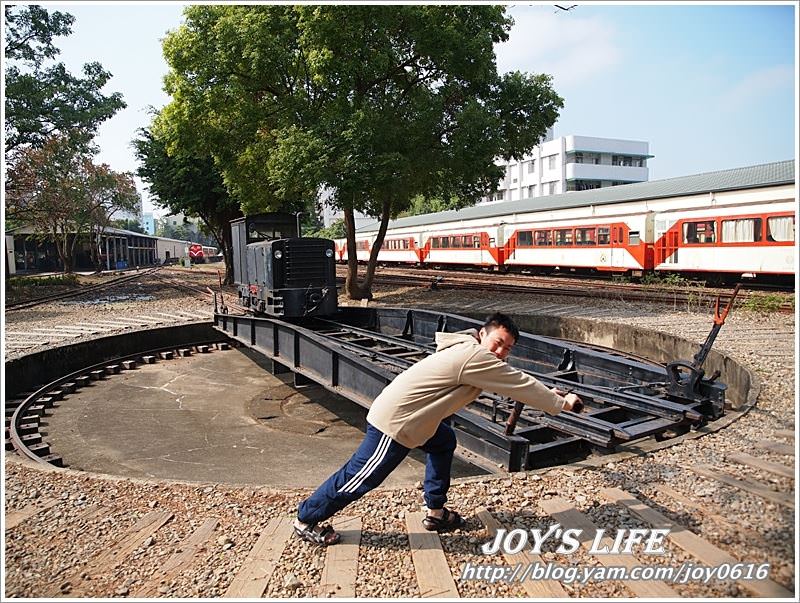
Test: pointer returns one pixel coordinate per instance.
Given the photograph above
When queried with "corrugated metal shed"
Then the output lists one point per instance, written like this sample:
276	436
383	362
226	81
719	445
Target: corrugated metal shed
756	176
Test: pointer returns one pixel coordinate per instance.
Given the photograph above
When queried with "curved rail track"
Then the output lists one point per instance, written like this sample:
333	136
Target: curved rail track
24	412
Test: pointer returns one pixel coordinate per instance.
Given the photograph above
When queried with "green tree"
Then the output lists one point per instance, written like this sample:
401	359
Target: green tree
43	99
188	182
66	197
378	103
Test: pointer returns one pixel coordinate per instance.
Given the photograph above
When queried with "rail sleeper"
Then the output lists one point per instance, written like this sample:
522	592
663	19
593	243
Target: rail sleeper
42	449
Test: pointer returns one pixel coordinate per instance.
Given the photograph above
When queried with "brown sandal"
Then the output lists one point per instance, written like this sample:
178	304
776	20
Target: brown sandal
317	534
448	522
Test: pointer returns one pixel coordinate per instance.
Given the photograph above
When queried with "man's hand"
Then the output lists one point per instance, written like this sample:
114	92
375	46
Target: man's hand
571	401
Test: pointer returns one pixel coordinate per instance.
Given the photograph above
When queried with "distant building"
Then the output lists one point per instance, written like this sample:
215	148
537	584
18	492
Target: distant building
572	163
149	223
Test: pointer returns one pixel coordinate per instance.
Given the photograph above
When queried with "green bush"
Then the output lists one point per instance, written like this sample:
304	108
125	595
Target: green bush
47	281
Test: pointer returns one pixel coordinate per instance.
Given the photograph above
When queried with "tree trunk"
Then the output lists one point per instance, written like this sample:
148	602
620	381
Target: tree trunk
351	281
61	247
372	264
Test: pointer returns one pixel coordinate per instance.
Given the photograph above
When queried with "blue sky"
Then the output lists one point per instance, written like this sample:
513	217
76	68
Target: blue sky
710	86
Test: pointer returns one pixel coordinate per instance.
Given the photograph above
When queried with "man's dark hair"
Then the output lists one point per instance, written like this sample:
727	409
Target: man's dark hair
498	319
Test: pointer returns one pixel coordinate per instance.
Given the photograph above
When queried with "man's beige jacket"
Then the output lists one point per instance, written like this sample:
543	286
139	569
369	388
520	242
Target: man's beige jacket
411	407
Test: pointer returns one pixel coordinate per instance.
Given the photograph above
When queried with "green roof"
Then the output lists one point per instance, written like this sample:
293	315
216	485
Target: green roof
756	176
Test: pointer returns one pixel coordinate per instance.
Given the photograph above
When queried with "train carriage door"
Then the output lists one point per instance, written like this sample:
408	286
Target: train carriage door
617	245
666	242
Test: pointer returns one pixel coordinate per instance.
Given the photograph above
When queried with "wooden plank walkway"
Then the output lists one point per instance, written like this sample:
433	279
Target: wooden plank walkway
111	556
731	526
776	447
14	518
693	544
757	463
433	573
748	485
257	569
569	517
178	562
341	561
537	589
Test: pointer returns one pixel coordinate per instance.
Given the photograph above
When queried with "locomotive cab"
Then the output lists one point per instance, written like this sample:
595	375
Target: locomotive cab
280	274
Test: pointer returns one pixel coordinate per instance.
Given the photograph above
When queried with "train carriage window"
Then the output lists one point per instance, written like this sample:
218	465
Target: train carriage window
525	238
603	235
476	241
563	236
466	242
585	236
435	243
745	230
633	237
699	232
780	228
542	238
455	242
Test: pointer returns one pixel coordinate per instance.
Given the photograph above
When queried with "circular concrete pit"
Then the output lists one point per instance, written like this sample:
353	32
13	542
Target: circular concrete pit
218	417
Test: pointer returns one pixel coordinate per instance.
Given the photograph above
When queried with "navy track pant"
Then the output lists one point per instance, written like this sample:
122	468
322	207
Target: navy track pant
376	457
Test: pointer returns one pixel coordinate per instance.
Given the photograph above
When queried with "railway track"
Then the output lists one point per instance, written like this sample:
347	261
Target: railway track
571	287
83	290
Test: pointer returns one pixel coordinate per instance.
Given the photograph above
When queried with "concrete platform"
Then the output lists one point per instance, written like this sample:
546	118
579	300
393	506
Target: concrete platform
218	417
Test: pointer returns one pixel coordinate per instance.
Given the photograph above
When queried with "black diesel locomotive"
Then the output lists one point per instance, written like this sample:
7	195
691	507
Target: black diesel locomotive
280	274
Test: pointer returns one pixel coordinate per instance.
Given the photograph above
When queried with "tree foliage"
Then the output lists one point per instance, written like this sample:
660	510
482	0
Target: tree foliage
378	103
42	98
59	190
188	182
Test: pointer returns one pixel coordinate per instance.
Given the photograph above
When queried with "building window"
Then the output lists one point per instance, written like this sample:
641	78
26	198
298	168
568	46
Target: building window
499	195
531	165
578	157
551	162
551	188
532	190
624	160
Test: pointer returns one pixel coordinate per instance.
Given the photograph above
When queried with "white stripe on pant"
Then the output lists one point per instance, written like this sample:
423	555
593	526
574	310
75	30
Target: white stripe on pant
370	466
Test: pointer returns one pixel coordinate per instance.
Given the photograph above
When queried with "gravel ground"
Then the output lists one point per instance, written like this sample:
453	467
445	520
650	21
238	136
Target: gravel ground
52	550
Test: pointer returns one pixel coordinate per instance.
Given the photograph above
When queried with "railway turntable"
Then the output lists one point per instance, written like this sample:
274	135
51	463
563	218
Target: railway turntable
355	352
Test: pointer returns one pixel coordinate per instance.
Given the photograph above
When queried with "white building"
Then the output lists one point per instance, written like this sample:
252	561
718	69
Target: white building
573	163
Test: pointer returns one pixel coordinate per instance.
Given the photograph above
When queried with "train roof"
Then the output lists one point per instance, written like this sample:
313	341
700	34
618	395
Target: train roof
755	176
